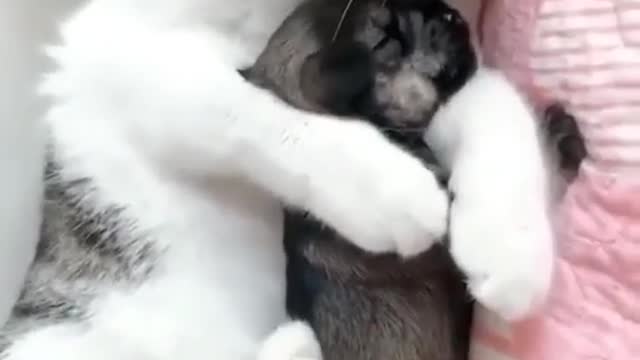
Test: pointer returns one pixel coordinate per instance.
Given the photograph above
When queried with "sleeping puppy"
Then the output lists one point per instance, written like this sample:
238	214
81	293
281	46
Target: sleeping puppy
383	307
391	65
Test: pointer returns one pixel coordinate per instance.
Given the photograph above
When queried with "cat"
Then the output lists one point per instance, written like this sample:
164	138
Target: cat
165	176
392	65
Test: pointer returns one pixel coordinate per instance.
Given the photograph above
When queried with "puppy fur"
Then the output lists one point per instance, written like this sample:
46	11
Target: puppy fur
393	66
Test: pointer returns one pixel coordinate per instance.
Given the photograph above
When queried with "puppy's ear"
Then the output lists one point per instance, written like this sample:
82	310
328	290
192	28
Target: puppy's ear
336	76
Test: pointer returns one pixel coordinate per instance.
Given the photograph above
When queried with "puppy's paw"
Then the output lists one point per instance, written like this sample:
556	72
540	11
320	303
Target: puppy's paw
292	341
505	251
336	76
340	74
564	137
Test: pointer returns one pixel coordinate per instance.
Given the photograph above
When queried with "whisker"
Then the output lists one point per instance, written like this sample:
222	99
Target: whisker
342	18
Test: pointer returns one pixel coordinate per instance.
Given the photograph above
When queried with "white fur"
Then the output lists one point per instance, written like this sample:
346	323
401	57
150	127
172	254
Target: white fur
294	340
500	228
147	102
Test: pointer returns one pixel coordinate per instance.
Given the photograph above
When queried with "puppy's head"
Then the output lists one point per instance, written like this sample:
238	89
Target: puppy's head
393	64
425	59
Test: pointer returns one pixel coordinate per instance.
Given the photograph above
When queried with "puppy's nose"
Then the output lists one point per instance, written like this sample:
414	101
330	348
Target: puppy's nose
408	99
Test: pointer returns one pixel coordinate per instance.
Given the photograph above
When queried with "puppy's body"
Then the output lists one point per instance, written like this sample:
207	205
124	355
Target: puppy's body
375	307
363	306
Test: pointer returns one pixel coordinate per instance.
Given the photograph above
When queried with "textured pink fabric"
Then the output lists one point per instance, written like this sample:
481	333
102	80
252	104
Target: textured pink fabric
585	53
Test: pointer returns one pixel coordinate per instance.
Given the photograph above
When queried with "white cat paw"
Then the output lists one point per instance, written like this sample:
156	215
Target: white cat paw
506	255
378	196
292	341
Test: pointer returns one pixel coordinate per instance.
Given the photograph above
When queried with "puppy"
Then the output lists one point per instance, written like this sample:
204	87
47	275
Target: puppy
391	65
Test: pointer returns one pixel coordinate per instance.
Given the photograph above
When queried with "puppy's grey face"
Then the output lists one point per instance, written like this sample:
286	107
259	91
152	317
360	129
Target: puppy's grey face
391	64
422	55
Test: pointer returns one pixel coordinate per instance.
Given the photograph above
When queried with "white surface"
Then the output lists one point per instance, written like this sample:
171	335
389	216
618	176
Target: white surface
24	25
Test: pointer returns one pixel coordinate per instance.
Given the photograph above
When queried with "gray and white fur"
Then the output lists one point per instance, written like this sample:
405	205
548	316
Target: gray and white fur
83	251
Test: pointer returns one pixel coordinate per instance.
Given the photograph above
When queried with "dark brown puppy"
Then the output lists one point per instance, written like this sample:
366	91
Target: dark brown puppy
392	66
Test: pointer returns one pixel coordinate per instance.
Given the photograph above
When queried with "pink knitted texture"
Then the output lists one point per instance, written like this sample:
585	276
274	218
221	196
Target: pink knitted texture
585	53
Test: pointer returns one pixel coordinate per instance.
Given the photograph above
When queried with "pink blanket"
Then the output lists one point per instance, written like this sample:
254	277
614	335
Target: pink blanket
585	53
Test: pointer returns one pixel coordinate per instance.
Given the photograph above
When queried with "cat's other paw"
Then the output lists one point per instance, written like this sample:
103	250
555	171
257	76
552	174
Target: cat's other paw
377	195
292	341
506	252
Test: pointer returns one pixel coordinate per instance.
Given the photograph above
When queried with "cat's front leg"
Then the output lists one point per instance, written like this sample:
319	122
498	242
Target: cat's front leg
348	175
500	230
175	98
